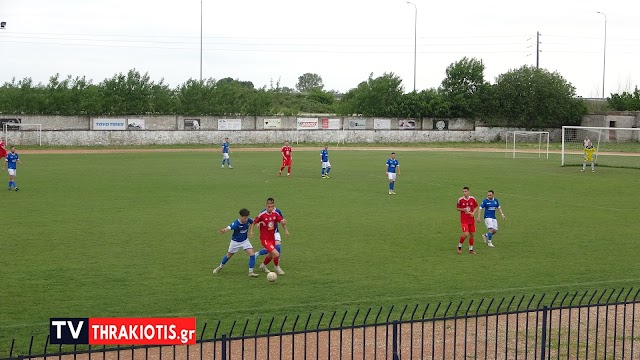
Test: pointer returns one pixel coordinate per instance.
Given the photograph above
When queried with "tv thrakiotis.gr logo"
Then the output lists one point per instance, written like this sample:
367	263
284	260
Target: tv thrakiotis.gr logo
123	331
69	330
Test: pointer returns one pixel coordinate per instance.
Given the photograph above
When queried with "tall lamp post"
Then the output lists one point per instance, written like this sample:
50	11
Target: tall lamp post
604	56
201	40
415	42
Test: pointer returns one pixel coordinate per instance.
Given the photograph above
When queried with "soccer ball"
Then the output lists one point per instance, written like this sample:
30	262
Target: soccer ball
272	276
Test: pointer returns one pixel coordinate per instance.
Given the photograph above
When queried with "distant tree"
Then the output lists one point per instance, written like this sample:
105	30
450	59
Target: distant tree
626	101
381	96
308	82
533	98
464	86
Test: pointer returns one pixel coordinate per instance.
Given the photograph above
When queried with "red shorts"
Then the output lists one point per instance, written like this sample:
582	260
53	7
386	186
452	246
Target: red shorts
468	227
286	162
269	245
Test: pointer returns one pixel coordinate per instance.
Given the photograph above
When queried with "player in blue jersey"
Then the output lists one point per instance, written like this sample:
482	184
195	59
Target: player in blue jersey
11	161
239	240
225	153
277	236
324	159
393	169
490	205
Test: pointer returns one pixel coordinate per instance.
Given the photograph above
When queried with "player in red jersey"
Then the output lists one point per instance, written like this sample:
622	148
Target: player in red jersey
467	206
266	221
3	149
286	159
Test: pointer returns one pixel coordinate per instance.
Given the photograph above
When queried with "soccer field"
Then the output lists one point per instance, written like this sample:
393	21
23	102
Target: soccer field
134	234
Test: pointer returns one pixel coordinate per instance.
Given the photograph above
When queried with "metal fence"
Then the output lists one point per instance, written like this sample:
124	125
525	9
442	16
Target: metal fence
589	325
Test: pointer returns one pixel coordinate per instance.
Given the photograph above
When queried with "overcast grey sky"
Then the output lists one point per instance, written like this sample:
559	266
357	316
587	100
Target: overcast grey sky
341	40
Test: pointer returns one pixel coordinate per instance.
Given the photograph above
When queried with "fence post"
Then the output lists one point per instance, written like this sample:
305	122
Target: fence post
394	340
543	337
224	347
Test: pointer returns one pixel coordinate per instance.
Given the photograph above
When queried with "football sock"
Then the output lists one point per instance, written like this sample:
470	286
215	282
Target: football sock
266	261
9	185
461	240
278	248
224	260
322	171
229	161
489	235
471	244
470	247
263	252
328	169
593	167
252	262
282	168
393	185
288	169
276	261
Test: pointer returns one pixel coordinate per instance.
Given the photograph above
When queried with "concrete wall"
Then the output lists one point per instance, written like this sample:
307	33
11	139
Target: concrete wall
166	137
76	130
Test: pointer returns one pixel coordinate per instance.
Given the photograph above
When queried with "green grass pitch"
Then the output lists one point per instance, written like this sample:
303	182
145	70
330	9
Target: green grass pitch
134	234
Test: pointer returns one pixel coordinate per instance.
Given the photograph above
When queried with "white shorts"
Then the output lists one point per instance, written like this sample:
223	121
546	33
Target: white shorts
225	156
278	237
392	176
12	172
491	223
326	164
235	246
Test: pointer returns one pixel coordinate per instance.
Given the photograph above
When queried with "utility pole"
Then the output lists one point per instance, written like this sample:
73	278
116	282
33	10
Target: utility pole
537	49
201	40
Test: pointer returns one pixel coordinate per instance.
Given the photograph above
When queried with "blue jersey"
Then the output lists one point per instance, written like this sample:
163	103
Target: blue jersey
276	210
12	159
490	207
324	154
225	147
240	230
392	164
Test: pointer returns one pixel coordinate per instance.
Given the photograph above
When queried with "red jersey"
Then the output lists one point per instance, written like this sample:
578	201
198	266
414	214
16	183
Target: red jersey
470	204
286	152
268	225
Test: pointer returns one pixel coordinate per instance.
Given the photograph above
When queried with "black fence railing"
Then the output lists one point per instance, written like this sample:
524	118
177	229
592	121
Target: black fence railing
589	325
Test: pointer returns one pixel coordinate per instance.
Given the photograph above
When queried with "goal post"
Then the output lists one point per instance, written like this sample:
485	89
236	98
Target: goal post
35	128
615	147
526	144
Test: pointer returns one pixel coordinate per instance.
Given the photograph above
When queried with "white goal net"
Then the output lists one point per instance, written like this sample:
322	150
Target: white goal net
526	144
28	134
615	147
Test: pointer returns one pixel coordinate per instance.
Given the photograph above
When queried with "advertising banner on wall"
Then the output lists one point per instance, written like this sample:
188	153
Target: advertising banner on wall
381	124
357	124
307	124
407	124
272	124
135	124
229	124
441	124
330	124
109	124
192	124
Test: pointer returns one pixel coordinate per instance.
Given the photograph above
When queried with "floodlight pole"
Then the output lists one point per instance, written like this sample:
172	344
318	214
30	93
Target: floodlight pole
200	40
415	42
604	56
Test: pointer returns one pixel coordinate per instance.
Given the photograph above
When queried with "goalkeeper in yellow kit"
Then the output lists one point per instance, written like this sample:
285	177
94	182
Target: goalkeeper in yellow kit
589	155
